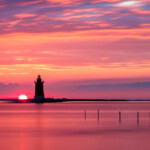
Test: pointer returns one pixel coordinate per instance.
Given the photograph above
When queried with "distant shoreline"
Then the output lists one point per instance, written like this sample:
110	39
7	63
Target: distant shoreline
51	100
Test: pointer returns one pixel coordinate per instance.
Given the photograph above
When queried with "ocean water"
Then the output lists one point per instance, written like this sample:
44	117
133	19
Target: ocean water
75	126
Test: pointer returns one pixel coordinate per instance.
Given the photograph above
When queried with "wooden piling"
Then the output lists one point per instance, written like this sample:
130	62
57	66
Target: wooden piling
85	114
98	114
138	118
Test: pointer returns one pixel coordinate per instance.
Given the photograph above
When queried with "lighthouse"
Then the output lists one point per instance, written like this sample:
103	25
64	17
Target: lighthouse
39	91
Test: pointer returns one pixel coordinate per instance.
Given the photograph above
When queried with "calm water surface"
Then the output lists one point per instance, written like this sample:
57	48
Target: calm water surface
75	126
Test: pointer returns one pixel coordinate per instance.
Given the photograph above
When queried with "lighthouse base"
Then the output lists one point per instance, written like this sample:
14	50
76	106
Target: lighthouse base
39	99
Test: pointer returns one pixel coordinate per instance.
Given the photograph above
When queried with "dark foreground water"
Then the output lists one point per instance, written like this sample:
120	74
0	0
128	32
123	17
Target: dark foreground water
75	126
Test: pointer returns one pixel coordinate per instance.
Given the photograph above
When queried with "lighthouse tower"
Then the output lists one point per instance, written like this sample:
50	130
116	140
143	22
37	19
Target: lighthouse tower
39	91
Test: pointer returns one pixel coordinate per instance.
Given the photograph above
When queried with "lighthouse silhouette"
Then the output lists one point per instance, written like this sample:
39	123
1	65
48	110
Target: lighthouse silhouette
39	91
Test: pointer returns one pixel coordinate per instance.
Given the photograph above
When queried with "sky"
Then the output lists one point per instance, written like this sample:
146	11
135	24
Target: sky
81	48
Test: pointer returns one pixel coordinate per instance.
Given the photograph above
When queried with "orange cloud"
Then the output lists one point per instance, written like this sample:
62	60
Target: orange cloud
20	16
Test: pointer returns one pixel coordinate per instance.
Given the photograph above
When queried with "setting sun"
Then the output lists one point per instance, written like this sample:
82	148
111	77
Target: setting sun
23	97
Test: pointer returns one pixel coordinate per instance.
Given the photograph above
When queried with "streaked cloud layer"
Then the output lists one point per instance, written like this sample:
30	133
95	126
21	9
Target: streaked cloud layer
74	40
46	16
